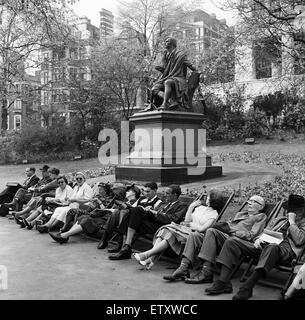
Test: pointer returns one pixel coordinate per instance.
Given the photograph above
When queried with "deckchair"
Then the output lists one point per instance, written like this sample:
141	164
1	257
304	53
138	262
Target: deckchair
296	280
272	211
288	268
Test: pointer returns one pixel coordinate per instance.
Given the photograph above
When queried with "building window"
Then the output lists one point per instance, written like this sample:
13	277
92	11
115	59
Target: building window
17	122
18	104
46	57
83	53
73	54
266	52
299	55
59	54
73	73
56	75
45	77
83	75
56	96
46	60
18	88
45	99
35	105
78	34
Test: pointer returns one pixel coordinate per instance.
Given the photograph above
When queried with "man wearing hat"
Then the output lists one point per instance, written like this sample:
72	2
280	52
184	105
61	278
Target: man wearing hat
9	193
243	228
272	255
24	195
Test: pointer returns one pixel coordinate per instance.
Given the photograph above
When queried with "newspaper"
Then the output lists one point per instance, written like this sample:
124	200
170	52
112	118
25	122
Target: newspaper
270	236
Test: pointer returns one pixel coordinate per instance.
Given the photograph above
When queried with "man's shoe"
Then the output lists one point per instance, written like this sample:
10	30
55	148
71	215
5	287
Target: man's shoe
42	229
243	293
124	253
180	274
18	220
117	247
103	242
22	224
28	225
57	237
219	287
204	276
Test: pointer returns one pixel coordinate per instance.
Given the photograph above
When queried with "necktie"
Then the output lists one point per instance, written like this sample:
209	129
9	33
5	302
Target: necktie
167	207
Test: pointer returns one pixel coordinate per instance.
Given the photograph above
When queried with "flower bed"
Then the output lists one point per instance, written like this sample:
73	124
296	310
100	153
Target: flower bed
292	179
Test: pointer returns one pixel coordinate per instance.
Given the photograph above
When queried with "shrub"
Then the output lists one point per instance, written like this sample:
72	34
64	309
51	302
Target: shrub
294	117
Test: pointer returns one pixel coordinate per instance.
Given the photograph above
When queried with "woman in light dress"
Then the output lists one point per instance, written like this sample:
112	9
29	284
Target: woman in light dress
82	193
62	194
199	217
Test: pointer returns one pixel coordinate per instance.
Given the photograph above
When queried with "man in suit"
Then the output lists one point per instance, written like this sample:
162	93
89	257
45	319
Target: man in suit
145	220
118	221
42	190
24	195
246	225
8	194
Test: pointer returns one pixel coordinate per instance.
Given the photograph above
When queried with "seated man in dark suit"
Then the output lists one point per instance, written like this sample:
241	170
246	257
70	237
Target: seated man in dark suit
150	200
23	195
41	191
8	194
132	198
147	220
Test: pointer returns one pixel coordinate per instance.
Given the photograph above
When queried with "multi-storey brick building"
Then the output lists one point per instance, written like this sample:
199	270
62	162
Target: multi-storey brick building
270	58
199	29
64	67
23	101
265	64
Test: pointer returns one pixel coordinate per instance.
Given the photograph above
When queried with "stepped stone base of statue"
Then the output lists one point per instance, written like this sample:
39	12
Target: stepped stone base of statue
169	148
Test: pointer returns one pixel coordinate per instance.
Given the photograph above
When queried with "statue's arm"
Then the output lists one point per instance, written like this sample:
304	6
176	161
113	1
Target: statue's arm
190	65
163	63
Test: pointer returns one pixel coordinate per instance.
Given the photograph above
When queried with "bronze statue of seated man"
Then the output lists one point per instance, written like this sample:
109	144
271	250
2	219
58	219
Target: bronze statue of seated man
168	91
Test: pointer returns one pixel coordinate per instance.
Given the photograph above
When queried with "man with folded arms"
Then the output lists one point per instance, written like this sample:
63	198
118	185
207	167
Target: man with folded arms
149	219
24	195
41	191
245	226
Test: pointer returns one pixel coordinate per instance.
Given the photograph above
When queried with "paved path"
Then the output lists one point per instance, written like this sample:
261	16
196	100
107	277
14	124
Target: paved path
39	268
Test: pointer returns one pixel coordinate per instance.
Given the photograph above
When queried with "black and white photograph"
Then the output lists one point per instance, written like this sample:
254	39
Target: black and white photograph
152	153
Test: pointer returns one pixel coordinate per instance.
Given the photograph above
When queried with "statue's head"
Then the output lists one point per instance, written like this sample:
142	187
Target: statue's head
170	43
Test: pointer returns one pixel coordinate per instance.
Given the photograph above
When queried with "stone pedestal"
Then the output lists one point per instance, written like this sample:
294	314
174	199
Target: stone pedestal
169	148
